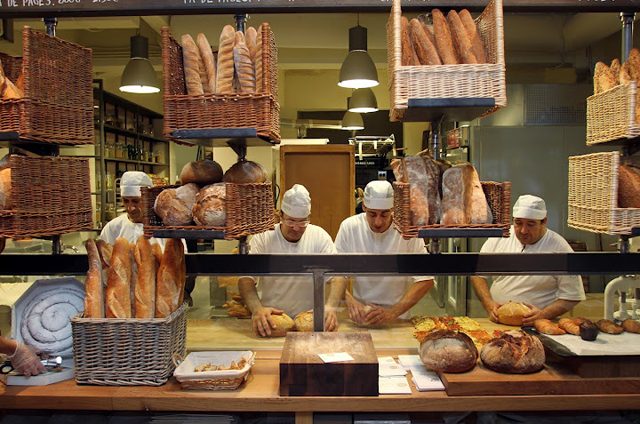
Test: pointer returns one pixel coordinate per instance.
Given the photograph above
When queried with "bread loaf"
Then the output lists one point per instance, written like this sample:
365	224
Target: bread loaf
448	351
202	172
512	313
424	178
171	279
245	172
477	47
545	326
444	42
224	71
569	326
628	187
625	75
94	284
513	352
193	66
106	251
5	188
398	170
304	321
631	325
457	190
118	295
251	38
258	61
615	69
209	208
634	64
157	252
209	63
174	206
461	39
409	57
426	52
603	78
609	327
245	72
145	287
284	324
480	210
20	83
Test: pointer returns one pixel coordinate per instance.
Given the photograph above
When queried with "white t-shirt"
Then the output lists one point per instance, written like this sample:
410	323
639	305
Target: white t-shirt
123	227
290	293
355	236
539	290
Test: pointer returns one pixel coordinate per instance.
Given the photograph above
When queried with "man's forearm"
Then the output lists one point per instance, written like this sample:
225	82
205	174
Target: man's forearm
411	297
247	288
558	307
481	288
336	292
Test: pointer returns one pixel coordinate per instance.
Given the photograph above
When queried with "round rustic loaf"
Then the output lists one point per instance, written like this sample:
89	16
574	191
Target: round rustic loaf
5	188
245	172
284	324
513	352
173	205
304	321
512	313
210	209
448	351
202	172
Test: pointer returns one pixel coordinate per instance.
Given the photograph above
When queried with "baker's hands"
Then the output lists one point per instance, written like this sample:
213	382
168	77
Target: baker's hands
25	361
355	308
531	317
330	320
492	310
262	321
377	315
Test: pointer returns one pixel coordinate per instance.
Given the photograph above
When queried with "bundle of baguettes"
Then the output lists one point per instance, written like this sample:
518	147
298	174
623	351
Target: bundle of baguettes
134	280
607	77
449	40
236	68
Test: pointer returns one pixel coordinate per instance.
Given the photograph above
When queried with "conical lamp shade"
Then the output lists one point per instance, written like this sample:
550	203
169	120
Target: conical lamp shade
358	70
352	121
363	101
139	76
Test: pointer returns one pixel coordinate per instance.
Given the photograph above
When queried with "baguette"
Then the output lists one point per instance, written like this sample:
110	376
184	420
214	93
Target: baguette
132	281
625	75
461	38
245	72
472	30
193	66
569	326
209	63
224	72
634	64
615	69
145	287
444	43
94	285
170	280
258	60
157	252
409	57
251	38
118	296
605	80
105	250
425	51
545	326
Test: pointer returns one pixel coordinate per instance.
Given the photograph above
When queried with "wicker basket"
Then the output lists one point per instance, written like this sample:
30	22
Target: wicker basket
213	380
58	103
611	115
127	351
249	211
183	111
448	81
49	196
593	195
498	196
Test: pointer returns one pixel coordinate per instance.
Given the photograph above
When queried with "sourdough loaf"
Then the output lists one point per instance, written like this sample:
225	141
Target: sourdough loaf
512	313
628	187
513	352
202	172
244	172
448	351
209	208
304	321
174	205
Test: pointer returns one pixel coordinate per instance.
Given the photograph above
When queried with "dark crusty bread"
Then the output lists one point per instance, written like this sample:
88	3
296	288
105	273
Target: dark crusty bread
202	172
444	42
424	49
448	351
245	172
513	352
628	187
461	38
423	176
477	46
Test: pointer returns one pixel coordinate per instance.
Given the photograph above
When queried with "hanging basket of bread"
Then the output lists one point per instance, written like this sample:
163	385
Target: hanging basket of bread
233	87
47	94
455	57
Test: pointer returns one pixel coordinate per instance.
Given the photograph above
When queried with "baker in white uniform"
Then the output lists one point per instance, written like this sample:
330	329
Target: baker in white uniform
547	295
377	300
289	294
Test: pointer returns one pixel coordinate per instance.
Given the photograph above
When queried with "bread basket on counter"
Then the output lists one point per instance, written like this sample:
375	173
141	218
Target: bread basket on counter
57	106
593	195
128	351
448	81
49	196
229	379
611	115
498	196
249	210
184	111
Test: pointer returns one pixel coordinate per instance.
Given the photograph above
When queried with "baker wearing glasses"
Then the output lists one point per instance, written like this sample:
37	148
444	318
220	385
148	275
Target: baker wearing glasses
380	299
290	294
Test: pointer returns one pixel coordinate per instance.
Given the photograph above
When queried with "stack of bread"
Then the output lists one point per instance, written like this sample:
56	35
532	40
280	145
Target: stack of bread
236	307
449	40
134	280
9	90
442	193
235	68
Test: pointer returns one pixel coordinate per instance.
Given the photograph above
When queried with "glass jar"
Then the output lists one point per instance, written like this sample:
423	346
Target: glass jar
119	148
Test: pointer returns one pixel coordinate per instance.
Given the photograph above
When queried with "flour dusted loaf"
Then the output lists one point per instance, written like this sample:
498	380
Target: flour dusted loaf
202	172
513	352
423	175
463	200
512	313
284	324
118	295
304	321
174	205
244	172
448	351
210	208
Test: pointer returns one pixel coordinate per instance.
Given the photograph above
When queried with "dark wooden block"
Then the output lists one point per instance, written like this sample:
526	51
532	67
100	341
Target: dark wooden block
303	373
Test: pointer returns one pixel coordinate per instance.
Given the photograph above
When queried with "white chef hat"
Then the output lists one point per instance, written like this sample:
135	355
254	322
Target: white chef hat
378	194
296	202
131	182
530	207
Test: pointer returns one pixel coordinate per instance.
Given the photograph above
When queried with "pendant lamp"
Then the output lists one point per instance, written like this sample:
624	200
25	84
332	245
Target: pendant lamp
139	76
358	69
351	120
363	101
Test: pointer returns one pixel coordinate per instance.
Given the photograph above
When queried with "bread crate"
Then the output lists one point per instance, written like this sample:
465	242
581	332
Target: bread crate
249	210
184	111
49	196
611	115
498	196
57	106
448	81
128	351
593	195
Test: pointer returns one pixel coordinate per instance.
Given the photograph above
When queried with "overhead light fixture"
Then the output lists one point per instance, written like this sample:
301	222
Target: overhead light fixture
351	120
358	69
363	101
139	76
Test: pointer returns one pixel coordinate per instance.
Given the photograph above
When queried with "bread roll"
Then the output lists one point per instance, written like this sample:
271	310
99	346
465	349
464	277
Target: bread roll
193	66
569	326
609	327
461	39
545	326
426	52
210	209
448	351
202	172
145	287
628	187
174	205
513	352
224	71
512	313
245	72
209	62
5	188
245	172
94	284
444	42
284	324
171	279
631	325
118	296
472	30
304	321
